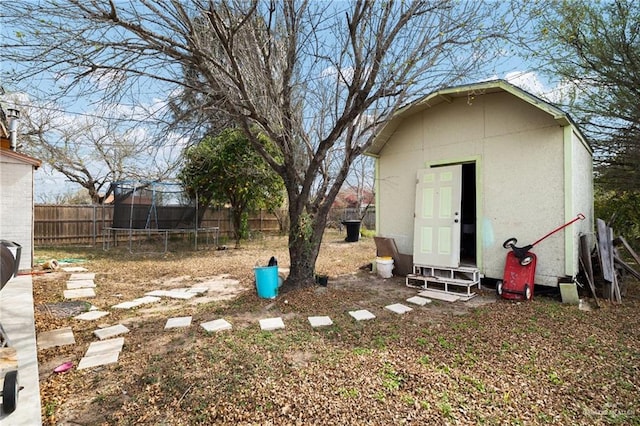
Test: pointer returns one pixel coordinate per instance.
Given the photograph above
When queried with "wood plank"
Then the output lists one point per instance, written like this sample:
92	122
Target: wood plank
629	250
605	246
616	286
627	267
8	360
587	266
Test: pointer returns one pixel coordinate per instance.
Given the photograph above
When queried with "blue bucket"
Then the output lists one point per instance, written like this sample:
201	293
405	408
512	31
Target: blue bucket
267	281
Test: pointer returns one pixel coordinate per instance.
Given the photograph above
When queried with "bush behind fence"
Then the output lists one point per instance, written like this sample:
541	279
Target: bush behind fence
56	225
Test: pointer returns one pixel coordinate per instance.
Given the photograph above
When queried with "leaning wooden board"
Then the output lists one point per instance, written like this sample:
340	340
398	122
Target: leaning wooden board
8	360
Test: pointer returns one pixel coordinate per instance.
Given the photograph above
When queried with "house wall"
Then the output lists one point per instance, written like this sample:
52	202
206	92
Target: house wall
16	207
581	199
519	154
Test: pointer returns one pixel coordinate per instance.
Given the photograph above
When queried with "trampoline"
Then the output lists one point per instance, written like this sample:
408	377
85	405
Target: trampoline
145	208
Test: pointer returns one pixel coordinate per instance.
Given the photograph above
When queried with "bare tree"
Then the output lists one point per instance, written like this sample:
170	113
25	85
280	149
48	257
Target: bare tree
316	77
88	150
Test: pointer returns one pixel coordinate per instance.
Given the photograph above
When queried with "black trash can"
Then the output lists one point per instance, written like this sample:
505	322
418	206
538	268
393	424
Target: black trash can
353	230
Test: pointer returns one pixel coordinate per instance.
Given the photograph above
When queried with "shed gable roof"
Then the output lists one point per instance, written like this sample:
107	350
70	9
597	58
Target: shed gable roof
447	95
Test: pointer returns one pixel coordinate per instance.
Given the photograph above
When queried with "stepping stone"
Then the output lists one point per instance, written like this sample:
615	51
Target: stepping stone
174	294
447	297
79	293
362	315
74	269
83	276
102	353
320	321
98	360
136	302
398	308
178	322
417	300
216	325
53	338
91	315
198	290
107	332
269	324
105	346
74	285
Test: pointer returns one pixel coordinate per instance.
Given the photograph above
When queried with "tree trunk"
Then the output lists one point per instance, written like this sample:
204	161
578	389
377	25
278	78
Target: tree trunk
305	236
236	219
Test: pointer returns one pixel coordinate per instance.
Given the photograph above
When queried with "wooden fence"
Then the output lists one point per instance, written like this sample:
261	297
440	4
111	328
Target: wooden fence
56	225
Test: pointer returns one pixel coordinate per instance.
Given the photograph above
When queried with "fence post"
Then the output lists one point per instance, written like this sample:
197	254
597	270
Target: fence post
95	230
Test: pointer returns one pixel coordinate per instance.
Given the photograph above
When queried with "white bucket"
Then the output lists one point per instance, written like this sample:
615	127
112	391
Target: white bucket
384	266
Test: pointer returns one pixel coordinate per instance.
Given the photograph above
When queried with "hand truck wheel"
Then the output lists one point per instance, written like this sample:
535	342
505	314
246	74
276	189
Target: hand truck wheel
10	392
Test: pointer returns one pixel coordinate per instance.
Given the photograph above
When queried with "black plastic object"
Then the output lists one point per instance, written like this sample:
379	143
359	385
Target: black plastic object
273	261
10	258
10	392
353	230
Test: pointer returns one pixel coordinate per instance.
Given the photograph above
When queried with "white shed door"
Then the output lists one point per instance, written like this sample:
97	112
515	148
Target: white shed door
436	240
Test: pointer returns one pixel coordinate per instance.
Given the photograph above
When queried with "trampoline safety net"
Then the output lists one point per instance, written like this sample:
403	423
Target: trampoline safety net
152	205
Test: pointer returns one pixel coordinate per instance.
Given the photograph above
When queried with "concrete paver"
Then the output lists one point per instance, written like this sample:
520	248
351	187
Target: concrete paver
447	297
178	322
107	332
53	338
83	276
74	285
136	302
91	315
417	300
105	346
270	324
98	360
398	308
173	294
74	269
79	293
362	315
320	321
216	325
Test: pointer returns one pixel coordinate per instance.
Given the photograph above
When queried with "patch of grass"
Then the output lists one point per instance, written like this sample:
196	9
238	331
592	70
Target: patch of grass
444	368
424	360
391	380
408	400
444	343
554	378
445	407
421	341
379	396
348	392
50	408
362	351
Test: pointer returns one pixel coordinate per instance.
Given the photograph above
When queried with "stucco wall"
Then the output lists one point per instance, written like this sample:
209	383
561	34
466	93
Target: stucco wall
16	207
519	154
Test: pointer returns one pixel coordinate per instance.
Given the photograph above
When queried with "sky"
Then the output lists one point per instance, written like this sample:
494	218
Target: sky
50	186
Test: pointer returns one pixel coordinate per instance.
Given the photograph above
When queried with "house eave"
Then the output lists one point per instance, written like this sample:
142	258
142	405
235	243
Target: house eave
20	157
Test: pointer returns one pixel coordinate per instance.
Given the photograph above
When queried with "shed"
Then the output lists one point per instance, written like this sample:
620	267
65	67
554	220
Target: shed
16	198
463	169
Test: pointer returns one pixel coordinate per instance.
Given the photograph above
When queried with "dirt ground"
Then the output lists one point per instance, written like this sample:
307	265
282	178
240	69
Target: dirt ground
483	361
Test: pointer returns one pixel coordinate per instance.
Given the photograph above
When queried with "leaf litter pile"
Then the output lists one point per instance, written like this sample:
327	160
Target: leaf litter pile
485	361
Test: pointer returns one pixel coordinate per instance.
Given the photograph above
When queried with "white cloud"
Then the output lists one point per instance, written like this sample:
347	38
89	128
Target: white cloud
557	93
